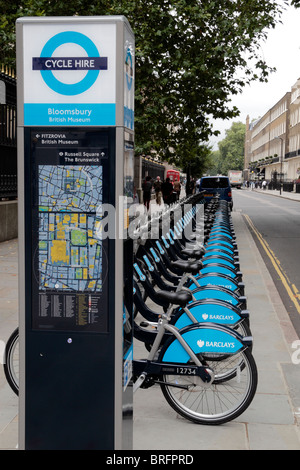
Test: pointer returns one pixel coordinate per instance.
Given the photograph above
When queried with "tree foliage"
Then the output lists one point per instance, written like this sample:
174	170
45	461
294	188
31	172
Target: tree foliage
230	155
188	53
216	163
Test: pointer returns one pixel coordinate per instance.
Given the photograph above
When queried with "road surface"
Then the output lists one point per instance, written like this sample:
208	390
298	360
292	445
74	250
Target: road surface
275	225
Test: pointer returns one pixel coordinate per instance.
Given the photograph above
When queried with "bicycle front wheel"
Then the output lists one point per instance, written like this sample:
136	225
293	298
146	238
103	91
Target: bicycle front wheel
219	402
11	361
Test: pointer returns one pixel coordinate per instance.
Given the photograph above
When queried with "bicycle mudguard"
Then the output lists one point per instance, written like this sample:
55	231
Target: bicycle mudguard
220	231
219	246
221	241
221	225
220	260
218	293
213	311
220	269
203	339
215	279
219	253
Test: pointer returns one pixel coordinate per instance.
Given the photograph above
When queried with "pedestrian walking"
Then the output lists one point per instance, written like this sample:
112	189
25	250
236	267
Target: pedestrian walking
167	190
147	187
157	189
190	187
177	189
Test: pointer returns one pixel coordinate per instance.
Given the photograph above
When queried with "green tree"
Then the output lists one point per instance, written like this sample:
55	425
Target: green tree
200	161
216	163
232	148
187	56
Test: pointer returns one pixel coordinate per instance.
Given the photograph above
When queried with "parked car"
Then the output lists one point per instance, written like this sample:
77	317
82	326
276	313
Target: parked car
216	185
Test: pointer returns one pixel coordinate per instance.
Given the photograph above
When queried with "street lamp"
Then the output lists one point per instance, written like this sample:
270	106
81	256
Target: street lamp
281	158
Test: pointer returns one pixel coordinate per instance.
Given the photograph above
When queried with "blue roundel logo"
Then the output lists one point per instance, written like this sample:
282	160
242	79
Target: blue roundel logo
129	69
70	63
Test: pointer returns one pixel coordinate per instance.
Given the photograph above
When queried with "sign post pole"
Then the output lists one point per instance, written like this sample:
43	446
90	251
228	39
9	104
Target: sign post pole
75	166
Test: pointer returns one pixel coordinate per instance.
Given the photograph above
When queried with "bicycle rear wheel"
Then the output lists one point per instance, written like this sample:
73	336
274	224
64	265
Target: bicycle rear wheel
11	361
219	402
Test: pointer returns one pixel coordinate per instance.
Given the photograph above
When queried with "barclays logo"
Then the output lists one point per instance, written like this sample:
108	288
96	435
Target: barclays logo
215	344
217	317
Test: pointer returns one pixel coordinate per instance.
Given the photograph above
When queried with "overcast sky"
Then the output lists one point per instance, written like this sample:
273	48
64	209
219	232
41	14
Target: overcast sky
281	50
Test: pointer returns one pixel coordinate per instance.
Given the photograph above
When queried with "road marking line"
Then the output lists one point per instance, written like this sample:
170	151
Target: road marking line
276	263
296	291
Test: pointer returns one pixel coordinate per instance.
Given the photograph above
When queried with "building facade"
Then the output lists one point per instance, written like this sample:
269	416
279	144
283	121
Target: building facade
272	143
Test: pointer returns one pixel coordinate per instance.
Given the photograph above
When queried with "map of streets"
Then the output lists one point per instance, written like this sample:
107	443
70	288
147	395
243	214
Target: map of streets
70	254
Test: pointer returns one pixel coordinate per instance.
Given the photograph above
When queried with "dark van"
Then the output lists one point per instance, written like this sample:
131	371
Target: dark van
216	185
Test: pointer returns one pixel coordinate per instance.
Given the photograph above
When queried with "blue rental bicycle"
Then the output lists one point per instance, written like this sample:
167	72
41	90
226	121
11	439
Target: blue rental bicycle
206	372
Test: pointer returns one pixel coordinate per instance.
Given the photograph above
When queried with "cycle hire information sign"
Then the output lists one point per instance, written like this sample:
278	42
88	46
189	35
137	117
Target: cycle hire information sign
75	157
70	75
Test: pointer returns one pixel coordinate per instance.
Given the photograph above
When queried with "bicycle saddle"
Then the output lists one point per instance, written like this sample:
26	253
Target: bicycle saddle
181	298
192	267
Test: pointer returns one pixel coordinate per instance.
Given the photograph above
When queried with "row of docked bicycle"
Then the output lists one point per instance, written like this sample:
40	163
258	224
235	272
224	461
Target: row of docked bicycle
191	314
196	329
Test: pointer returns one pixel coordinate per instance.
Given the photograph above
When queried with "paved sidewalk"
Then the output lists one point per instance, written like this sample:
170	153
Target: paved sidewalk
8	322
284	194
270	423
